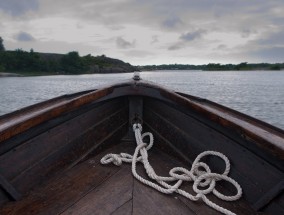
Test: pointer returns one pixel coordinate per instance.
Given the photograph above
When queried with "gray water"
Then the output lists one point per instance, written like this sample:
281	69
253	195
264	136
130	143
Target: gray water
257	93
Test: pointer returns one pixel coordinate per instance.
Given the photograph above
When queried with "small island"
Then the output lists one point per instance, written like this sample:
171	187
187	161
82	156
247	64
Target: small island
33	63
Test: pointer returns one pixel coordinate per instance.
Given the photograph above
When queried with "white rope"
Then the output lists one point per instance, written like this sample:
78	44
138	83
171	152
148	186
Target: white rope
201	178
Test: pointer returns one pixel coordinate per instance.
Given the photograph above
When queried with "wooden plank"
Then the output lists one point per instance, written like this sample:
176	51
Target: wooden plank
192	137
162	163
125	209
149	201
108	197
62	191
30	109
67	154
14	127
237	114
29	153
269	196
190	144
82	190
258	148
187	165
46	126
270	140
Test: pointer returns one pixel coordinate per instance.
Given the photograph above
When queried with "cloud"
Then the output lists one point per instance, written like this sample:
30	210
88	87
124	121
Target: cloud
123	44
221	47
243	27
139	53
24	37
176	46
248	32
172	22
186	38
273	38
155	39
192	35
18	7
269	54
269	47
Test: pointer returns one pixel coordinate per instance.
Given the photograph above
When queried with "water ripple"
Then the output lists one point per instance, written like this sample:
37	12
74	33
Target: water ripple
256	93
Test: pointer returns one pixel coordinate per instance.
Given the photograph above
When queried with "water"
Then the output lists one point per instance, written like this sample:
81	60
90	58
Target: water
257	93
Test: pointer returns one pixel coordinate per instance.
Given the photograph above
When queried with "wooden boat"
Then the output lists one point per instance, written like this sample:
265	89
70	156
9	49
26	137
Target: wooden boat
50	153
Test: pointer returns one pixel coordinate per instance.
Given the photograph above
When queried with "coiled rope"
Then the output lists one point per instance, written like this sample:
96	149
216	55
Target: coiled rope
179	174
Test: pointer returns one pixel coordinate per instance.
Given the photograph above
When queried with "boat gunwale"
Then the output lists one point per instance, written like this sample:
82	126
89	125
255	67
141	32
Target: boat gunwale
146	88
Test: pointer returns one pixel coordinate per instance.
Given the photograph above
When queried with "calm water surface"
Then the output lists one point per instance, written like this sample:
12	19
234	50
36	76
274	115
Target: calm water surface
256	93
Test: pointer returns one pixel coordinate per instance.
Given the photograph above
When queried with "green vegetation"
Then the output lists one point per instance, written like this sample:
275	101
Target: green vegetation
171	67
2	48
34	63
243	66
215	67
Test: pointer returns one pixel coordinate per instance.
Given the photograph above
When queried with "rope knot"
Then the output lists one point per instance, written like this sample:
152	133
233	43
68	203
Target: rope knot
200	173
112	158
137	126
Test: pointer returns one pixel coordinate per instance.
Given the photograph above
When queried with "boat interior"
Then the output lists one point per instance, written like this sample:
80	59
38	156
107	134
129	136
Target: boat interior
50	153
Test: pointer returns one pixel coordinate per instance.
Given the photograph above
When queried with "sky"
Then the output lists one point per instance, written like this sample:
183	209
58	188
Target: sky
144	32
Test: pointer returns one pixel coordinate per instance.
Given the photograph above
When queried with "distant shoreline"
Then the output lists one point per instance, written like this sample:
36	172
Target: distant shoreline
6	74
200	70
34	74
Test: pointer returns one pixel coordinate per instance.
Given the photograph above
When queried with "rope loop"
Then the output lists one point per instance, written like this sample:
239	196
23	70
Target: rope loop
200	173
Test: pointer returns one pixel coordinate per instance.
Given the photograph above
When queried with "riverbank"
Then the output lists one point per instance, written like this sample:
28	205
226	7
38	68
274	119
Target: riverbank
37	73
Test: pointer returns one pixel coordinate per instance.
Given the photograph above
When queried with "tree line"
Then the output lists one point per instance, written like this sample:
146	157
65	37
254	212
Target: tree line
21	61
216	67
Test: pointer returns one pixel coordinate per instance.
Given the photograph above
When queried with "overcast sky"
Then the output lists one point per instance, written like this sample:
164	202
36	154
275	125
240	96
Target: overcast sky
149	31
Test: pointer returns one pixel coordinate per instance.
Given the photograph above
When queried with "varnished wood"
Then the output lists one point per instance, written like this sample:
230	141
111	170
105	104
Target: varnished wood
91	188
191	137
62	191
46	144
31	119
125	209
51	140
108	197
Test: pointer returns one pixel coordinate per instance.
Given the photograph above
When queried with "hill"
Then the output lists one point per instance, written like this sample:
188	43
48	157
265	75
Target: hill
35	63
